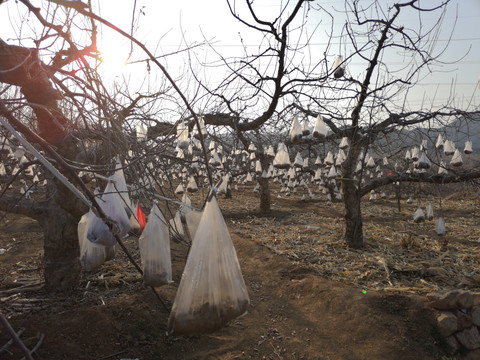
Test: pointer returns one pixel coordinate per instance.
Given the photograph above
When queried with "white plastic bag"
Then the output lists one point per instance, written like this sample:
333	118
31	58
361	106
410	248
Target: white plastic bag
440	226
321	130
338	67
120	184
295	130
182	135
212	291
154	244
419	216
112	205
429	212
282	159
92	256
456	159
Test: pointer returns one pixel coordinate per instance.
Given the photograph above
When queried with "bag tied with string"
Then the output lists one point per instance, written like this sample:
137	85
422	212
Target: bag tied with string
212	290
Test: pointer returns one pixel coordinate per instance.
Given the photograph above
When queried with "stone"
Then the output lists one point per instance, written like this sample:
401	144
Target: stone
457	299
476	299
470	338
464	320
464	300
447	323
453	342
476	315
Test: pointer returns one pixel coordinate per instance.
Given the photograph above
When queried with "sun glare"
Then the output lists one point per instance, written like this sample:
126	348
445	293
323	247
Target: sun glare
114	60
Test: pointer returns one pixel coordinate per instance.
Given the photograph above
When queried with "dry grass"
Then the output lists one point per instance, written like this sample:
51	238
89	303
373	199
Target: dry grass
399	255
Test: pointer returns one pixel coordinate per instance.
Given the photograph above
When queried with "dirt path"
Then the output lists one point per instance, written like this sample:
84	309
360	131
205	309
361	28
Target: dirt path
294	314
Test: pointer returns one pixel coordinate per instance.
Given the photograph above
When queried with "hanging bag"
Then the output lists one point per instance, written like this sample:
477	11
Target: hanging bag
92	255
154	244
212	291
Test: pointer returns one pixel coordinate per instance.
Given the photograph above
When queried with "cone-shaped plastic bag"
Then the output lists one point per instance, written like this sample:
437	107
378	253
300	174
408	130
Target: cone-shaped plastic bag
468	147
321	130
305	129
448	147
424	161
440	226
429	212
419	216
154	244
179	190
456	159
439	143
282	159
329	159
295	130
258	167
182	135
344	143
120	184
212	291
339	69
192	185
298	160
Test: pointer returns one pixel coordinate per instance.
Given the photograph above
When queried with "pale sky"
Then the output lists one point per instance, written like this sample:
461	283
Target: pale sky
163	22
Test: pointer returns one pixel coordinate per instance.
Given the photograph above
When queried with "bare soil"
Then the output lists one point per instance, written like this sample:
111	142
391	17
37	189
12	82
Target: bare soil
298	310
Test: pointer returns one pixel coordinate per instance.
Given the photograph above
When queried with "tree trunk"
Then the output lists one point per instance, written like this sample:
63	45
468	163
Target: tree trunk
62	251
265	201
352	199
353	215
61	257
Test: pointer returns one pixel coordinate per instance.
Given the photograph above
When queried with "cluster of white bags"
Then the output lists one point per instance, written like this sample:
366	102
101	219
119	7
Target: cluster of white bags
212	290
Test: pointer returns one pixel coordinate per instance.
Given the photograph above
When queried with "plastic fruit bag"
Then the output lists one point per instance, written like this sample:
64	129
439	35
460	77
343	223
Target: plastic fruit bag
154	244
121	185
429	212
92	256
321	130
295	130
419	216
212	291
440	226
112	205
339	68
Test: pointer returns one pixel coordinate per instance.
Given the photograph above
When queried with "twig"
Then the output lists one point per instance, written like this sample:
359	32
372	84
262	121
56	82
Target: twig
24	288
37	345
15	337
4	348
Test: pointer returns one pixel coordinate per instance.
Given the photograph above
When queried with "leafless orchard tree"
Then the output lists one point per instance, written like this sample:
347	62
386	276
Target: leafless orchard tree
369	109
53	86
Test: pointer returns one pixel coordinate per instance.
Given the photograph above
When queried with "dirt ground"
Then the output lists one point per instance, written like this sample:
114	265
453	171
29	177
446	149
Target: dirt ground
298	309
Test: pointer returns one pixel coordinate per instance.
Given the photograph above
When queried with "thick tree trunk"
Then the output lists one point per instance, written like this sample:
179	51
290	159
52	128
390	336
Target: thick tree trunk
62	252
61	257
